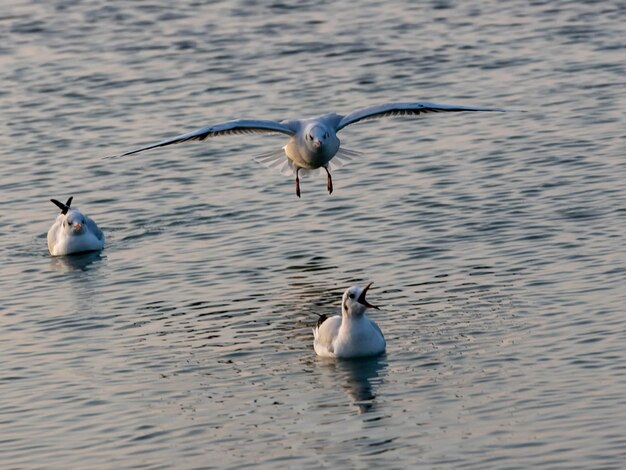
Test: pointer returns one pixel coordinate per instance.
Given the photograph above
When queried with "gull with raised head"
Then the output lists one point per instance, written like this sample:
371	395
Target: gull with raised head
352	334
73	232
313	143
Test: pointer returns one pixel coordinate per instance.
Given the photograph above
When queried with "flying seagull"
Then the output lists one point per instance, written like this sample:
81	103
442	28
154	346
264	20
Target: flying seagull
313	142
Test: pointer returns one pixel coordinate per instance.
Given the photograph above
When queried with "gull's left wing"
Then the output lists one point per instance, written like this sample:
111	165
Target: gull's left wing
239	126
404	109
93	228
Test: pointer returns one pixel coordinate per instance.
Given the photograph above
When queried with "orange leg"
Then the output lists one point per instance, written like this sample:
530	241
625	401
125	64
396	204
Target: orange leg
329	181
297	182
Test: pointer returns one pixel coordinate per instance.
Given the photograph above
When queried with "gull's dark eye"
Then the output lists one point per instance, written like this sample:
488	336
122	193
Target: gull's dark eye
351	295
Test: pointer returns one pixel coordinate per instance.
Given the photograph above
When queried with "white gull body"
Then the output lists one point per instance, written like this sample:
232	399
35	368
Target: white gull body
352	334
313	143
73	232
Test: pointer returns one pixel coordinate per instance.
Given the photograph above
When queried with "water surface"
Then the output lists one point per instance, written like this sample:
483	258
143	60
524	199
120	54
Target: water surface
495	242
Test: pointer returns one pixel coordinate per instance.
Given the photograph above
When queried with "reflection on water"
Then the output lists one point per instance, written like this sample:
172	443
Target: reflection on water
361	378
79	261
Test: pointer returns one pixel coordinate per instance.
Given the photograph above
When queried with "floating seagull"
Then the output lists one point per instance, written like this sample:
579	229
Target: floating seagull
73	232
352	334
313	142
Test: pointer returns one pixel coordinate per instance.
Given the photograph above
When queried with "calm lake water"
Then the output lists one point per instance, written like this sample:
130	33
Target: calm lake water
495	241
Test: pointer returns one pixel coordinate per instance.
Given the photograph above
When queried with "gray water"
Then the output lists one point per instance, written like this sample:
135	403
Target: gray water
495	241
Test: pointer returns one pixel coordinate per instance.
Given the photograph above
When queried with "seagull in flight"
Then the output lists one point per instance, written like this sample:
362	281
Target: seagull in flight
313	143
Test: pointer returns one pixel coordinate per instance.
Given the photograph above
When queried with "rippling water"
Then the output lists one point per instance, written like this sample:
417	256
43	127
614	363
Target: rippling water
495	242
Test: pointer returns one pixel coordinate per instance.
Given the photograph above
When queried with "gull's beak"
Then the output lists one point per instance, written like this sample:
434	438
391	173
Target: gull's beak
77	227
362	300
316	144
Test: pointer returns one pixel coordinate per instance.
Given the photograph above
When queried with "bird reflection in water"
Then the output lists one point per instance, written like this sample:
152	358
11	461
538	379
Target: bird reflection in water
359	378
76	262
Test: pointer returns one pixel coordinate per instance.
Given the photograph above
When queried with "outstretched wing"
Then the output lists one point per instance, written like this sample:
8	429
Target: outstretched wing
404	109
239	126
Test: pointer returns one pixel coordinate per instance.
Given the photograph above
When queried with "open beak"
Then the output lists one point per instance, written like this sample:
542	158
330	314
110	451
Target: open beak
362	300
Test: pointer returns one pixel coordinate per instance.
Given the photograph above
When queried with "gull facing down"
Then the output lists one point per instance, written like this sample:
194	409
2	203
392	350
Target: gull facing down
73	232
313	143
352	334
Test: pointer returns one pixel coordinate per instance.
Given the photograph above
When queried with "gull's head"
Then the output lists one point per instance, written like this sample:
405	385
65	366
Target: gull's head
315	137
72	220
354	303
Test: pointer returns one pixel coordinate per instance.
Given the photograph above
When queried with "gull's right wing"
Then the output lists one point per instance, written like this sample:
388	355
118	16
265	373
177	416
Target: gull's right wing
236	127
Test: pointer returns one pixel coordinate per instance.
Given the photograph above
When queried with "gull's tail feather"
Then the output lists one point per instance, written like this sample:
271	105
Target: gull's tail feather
343	157
276	160
304	172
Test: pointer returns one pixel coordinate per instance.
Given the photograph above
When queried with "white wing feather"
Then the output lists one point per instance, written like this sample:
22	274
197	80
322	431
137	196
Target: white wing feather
93	228
325	334
276	160
343	157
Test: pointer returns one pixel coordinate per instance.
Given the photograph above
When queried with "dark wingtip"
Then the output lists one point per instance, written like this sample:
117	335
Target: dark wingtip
322	318
121	155
64	207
